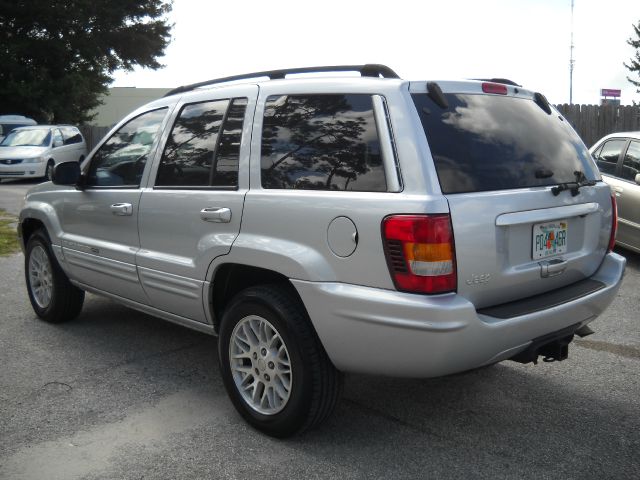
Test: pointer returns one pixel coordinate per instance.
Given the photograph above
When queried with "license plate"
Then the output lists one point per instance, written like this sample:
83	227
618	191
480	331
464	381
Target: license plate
549	238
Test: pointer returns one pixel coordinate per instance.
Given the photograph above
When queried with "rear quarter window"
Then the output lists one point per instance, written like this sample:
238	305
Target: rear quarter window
321	142
494	142
71	136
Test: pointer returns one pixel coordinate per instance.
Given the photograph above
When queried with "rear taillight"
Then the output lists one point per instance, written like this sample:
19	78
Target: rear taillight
614	222
496	88
420	252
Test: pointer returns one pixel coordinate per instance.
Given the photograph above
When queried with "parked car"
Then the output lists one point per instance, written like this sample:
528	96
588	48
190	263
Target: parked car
29	152
618	158
335	224
9	123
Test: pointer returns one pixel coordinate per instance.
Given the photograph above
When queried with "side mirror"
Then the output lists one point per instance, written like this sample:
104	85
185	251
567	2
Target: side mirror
57	143
638	178
66	173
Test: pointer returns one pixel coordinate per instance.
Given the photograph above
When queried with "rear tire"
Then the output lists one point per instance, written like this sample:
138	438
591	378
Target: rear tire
52	296
274	367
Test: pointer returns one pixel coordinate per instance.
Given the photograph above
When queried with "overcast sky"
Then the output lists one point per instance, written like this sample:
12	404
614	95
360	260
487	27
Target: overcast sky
524	40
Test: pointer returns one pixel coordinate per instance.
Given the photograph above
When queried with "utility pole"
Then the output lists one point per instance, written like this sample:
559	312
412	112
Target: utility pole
571	61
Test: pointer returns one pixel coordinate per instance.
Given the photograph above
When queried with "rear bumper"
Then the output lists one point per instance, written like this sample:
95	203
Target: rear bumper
370	330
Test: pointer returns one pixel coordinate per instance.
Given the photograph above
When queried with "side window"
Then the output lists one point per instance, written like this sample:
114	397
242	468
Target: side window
120	160
607	159
57	138
228	152
631	162
321	142
204	146
71	136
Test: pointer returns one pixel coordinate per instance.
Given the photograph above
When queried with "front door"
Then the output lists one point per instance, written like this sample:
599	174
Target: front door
100	237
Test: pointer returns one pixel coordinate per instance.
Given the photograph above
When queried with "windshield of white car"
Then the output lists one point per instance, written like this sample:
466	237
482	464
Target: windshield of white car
32	137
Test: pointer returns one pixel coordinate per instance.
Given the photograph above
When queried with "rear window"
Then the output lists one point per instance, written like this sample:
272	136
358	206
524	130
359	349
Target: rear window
489	142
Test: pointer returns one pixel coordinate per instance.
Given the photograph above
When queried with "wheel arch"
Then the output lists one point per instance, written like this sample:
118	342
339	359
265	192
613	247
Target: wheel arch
39	215
28	227
231	278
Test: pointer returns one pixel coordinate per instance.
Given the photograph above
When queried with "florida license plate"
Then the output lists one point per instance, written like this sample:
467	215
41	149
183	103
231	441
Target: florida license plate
549	238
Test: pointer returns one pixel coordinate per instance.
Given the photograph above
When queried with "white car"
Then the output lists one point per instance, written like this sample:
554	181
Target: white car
32	152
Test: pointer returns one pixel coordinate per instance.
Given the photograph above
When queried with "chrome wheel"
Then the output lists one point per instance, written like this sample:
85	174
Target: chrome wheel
40	276
260	365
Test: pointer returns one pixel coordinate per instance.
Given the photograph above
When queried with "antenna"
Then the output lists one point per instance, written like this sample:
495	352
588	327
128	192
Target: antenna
571	60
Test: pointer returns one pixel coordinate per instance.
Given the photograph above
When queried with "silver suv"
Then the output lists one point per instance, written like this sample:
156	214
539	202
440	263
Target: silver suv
328	225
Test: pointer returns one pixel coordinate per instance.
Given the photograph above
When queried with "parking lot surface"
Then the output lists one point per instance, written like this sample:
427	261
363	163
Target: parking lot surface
119	394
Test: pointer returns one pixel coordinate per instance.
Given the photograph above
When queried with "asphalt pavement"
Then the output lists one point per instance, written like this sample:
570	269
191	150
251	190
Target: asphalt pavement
117	394
12	193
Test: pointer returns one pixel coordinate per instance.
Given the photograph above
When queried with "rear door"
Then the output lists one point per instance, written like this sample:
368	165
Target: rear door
74	143
497	157
192	210
100	222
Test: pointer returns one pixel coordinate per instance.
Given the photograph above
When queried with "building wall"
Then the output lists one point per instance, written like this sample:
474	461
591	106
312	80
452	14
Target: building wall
123	100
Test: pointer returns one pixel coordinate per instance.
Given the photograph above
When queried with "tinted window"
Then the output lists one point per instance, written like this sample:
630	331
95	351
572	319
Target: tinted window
120	160
492	142
321	142
228	152
607	158
631	162
196	153
188	156
71	136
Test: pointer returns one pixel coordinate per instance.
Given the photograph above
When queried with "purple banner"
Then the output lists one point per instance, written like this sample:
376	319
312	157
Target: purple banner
609	92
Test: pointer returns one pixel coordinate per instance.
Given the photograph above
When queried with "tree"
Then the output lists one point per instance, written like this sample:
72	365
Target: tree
56	56
635	60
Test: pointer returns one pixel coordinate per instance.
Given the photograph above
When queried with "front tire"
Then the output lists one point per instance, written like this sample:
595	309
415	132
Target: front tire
52	296
48	174
274	367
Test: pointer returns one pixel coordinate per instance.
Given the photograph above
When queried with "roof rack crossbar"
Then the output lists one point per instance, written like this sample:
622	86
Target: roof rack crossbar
368	70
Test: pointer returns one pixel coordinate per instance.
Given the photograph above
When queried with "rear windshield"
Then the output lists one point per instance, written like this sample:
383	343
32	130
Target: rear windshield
490	142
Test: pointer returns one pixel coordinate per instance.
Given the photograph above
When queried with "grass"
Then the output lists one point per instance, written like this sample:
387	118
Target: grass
8	234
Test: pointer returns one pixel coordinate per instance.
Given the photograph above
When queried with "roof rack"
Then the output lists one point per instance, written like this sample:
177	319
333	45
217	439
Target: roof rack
368	70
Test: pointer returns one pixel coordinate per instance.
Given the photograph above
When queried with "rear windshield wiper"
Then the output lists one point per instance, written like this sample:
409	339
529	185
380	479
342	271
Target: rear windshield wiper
581	181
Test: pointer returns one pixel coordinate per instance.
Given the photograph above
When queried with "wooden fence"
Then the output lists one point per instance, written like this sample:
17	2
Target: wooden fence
593	122
93	135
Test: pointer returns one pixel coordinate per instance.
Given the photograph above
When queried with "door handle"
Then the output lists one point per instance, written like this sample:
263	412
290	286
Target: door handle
551	268
216	215
122	209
